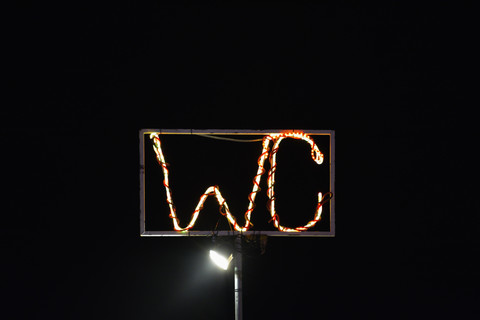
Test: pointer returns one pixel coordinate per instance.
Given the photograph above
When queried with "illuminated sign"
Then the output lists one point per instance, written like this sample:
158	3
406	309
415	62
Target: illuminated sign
215	155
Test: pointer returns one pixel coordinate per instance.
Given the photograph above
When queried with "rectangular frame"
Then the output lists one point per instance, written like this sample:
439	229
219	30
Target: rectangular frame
174	233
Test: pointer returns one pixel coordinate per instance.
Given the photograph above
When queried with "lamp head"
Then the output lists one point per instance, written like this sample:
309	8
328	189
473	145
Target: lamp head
220	260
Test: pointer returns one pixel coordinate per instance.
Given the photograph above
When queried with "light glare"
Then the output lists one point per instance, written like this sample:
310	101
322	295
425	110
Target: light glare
219	260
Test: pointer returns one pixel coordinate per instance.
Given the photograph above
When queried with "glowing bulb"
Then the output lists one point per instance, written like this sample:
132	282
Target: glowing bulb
219	260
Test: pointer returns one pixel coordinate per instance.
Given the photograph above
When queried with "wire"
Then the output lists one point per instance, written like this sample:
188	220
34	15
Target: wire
227	139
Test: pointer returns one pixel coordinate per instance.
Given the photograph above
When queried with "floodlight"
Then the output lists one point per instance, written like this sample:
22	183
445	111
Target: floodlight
220	260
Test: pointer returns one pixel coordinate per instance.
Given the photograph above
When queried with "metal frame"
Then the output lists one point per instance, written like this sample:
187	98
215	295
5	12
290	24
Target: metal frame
145	233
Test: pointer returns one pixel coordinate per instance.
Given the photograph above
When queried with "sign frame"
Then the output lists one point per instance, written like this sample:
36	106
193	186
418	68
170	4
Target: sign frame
224	132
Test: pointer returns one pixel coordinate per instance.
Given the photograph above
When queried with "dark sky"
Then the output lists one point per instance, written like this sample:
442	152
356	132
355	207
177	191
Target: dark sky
391	80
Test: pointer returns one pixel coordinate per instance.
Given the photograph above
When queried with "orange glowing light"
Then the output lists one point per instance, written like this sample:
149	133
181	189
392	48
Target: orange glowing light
274	139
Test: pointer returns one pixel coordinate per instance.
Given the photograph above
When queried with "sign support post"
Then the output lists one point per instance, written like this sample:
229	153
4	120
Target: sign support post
238	278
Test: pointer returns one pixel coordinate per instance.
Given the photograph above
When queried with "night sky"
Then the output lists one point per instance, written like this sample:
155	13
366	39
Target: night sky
392	80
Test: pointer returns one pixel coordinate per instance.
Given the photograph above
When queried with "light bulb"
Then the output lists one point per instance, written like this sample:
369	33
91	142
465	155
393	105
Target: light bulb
219	260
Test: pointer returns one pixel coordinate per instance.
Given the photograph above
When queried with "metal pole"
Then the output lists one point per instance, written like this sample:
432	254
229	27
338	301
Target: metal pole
238	278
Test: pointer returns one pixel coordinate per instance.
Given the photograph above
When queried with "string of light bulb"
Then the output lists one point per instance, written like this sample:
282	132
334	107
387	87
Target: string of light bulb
273	139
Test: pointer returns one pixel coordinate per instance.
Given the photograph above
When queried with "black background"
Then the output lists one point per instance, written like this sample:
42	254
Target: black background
392	80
